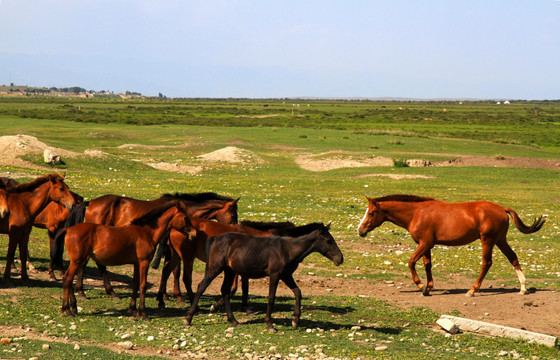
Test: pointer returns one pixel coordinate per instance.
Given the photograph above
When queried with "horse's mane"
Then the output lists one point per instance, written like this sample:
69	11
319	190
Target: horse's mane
32	185
153	214
403	198
196	197
303	229
270	225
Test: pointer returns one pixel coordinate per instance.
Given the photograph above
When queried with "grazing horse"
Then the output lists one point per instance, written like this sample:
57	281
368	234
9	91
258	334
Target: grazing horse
25	202
52	218
119	245
431	222
187	249
114	210
256	257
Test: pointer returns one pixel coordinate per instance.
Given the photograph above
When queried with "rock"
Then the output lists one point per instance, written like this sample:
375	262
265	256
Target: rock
381	348
128	345
46	346
50	157
77	347
6	340
448	325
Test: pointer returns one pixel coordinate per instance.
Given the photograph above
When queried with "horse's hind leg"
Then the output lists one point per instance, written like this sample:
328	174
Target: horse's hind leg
106	283
429	278
487	246
165	272
229	277
512	257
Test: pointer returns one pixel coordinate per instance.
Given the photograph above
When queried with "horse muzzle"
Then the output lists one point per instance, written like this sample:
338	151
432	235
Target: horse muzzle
4	213
337	260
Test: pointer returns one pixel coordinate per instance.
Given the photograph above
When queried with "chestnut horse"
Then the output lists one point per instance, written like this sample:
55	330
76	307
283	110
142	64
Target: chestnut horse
25	203
257	257
119	245
52	218
431	222
114	210
187	249
3	200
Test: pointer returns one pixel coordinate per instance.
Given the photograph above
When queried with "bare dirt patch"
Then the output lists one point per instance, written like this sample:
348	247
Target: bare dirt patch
338	159
396	176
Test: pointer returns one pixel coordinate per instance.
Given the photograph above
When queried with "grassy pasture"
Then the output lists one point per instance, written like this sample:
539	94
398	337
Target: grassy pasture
277	189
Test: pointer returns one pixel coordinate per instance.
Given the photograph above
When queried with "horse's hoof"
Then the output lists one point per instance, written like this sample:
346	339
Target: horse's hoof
271	329
249	311
161	306
294	324
82	296
425	291
523	292
470	293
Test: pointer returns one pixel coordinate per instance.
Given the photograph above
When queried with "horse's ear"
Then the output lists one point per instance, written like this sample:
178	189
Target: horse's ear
63	175
368	198
328	226
236	200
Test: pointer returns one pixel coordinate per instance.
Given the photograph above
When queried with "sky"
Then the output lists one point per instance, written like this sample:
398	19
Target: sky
479	49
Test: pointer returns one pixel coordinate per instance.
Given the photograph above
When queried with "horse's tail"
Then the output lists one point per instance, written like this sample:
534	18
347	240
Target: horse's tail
77	214
537	224
58	248
162	249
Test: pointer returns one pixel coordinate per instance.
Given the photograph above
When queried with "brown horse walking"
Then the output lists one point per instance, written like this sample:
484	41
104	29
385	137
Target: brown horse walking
25	202
257	257
114	210
431	222
119	245
52	218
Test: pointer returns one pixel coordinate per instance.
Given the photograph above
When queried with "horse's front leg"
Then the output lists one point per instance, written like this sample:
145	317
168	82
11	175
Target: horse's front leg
418	253
290	282
245	295
271	298
487	246
209	275
12	246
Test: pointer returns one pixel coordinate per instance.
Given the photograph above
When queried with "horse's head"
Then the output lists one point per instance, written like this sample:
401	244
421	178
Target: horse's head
373	217
227	214
327	247
60	193
182	223
3	201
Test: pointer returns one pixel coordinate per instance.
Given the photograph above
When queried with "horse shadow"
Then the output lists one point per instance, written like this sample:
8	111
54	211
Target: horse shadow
486	291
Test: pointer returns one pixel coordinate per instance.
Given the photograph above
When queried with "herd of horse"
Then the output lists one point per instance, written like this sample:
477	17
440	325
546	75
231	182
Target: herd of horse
115	230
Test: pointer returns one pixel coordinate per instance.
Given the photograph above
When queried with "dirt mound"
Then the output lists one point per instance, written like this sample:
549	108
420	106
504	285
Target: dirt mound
13	147
338	159
232	154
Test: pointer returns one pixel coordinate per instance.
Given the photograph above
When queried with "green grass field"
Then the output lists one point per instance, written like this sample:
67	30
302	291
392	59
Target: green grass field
276	188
